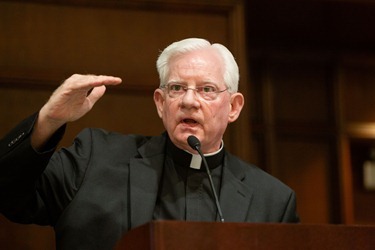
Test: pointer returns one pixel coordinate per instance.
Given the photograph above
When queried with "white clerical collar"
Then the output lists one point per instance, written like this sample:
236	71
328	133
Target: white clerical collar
196	159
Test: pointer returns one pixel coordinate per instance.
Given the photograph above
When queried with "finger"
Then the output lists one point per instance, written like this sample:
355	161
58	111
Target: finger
82	82
96	94
103	80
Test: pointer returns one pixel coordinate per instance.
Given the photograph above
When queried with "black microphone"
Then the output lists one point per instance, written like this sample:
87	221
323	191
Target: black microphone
195	144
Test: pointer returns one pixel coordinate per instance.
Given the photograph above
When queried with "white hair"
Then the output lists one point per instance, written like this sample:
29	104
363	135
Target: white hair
231	71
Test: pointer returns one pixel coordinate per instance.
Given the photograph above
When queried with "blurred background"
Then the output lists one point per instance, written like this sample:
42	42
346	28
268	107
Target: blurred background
307	72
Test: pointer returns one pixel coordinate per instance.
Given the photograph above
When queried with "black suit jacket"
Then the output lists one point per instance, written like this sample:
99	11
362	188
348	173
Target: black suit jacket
107	183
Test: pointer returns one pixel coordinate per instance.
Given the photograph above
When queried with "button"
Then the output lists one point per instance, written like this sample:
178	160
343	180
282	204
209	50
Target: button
14	141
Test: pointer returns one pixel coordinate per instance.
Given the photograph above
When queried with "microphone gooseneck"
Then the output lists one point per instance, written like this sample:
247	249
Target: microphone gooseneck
195	144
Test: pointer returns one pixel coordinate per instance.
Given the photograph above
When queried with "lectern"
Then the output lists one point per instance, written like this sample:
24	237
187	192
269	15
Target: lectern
163	235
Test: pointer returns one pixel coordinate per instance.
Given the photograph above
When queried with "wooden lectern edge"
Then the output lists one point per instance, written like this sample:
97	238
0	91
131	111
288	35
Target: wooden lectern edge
232	235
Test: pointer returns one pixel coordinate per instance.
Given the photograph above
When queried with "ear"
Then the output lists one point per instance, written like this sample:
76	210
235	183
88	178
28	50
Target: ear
236	104
159	101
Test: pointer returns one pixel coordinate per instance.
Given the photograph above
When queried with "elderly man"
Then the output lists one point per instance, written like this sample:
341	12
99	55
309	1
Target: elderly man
107	183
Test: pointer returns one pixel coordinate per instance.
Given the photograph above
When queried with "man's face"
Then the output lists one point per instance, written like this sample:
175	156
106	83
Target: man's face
190	114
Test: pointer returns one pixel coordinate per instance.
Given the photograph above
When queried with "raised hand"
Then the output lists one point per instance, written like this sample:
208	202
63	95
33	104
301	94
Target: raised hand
73	99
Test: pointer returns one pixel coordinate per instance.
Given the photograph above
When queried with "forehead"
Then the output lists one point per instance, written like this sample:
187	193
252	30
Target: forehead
206	63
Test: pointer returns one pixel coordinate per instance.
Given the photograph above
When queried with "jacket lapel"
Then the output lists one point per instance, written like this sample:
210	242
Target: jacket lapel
235	197
145	174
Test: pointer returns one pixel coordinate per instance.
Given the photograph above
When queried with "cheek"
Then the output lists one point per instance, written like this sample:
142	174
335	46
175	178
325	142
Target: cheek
219	113
169	111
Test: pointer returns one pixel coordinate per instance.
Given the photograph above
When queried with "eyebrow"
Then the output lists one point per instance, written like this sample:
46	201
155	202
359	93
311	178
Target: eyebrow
199	84
175	81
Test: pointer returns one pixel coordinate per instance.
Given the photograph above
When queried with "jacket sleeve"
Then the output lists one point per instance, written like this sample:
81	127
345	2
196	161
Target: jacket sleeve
20	168
290	214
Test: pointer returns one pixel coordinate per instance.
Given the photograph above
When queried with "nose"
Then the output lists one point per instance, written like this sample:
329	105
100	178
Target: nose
190	99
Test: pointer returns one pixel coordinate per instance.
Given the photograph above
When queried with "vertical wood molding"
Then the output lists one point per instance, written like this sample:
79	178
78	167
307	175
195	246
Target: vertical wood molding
343	153
269	122
240	134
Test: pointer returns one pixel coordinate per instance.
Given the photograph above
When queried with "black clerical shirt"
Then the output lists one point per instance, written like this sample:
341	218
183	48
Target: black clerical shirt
185	192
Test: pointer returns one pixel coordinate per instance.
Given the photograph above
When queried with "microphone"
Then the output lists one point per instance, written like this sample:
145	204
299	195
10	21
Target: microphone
195	144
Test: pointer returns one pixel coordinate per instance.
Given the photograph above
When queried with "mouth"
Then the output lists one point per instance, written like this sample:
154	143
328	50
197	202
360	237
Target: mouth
189	121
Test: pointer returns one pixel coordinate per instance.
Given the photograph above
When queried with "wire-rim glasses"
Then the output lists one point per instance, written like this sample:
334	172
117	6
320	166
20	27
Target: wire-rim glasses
206	92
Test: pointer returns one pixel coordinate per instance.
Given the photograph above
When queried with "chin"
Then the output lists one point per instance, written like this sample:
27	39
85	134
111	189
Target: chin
180	140
179	136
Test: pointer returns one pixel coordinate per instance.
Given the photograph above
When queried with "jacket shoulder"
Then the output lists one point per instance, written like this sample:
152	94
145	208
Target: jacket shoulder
97	139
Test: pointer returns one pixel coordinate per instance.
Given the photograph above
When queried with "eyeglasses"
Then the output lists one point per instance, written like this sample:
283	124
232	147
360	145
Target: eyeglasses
207	92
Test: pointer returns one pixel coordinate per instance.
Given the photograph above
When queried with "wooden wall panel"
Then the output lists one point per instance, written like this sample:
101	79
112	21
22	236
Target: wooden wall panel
363	199
305	166
301	93
314	124
312	70
17	104
359	93
294	128
119	41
